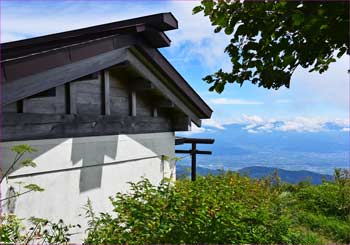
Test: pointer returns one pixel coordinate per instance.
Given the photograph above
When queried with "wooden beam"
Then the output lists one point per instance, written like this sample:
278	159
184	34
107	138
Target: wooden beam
72	98
193	162
133	103
142	85
190	152
67	97
106	87
30	85
149	75
165	104
155	112
29	126
163	65
19	106
180	141
180	122
160	22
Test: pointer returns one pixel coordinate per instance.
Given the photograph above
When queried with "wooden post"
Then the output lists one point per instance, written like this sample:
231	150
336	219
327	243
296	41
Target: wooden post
155	112
193	151
19	106
133	103
72	98
194	167
104	78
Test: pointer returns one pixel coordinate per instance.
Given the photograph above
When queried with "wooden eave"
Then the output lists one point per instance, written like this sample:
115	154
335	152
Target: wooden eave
72	56
156	25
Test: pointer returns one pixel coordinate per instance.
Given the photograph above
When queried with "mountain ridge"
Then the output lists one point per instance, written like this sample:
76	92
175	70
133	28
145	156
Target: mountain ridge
288	176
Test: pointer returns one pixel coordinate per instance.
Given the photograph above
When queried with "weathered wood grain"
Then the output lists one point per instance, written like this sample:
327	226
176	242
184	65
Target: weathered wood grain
47	104
26	126
27	86
146	73
106	93
133	103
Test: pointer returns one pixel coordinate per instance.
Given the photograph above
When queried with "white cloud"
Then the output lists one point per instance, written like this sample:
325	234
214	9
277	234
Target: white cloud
228	101
255	124
194	39
302	124
195	130
212	123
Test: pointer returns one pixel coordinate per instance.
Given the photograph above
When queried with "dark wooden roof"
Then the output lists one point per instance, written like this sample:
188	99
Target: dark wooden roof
160	22
22	61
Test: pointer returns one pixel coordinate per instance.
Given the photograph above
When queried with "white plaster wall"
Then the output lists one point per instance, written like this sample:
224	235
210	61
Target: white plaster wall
67	191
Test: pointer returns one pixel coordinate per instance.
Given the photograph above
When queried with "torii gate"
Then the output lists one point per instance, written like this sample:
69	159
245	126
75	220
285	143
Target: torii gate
193	151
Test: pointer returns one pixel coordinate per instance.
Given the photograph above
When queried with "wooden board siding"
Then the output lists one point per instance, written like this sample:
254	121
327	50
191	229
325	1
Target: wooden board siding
27	126
89	97
143	105
10	107
119	96
78	109
33	84
47	104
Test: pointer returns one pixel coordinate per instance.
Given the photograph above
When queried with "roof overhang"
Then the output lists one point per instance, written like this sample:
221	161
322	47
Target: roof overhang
34	65
152	26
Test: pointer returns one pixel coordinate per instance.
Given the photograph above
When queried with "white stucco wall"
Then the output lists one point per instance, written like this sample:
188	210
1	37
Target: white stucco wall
67	190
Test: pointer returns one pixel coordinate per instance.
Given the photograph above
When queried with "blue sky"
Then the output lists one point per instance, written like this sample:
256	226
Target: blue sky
312	101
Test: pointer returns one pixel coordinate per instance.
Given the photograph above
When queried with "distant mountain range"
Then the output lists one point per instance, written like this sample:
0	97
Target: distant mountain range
235	148
258	172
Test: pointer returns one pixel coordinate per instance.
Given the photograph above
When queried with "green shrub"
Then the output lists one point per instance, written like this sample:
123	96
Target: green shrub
41	231
216	209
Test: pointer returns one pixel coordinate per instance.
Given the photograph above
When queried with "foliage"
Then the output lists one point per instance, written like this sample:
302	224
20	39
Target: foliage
42	231
216	209
10	229
20	151
325	208
270	39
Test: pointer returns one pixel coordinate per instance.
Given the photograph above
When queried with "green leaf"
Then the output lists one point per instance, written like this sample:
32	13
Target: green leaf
197	9
21	149
228	30
323	27
165	158
219	87
28	163
34	187
298	18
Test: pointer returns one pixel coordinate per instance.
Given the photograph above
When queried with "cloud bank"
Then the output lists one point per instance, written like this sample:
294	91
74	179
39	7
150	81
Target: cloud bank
256	124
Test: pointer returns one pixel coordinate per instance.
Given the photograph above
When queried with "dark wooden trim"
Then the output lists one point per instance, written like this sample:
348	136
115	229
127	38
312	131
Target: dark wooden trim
142	85
180	141
165	104
193	152
154	56
146	73
160	22
155	112
190	152
67	97
106	86
133	102
27	86
72	98
28	126
180	121
193	162
19	106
